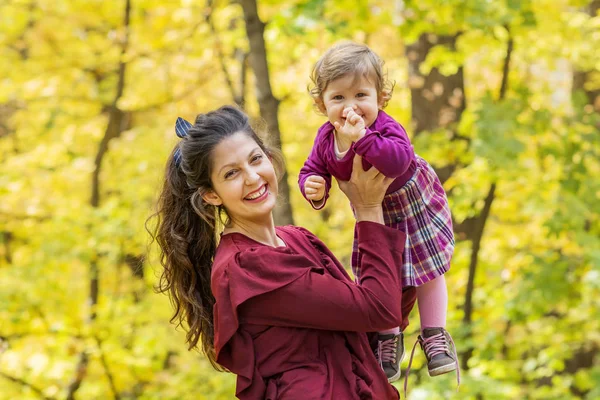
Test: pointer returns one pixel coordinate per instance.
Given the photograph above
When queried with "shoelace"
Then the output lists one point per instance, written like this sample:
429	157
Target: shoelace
433	346
387	350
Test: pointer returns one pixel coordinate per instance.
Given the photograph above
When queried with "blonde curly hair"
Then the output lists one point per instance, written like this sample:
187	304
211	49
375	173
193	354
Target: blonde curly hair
349	58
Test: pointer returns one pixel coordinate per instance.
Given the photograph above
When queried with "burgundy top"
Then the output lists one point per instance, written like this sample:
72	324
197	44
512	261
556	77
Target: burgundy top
290	322
385	145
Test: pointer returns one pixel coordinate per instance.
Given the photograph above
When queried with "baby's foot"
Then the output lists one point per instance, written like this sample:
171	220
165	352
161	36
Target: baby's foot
436	344
389	354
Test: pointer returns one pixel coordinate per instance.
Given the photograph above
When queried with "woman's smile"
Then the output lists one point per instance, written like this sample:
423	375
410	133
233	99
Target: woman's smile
258	195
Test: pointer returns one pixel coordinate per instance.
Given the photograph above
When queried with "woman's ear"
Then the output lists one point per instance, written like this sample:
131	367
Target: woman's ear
212	198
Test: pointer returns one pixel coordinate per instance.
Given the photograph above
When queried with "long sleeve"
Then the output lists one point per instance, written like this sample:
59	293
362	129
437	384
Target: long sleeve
315	165
320	301
387	148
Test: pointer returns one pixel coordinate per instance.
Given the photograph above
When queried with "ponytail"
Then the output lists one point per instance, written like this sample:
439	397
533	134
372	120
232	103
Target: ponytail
187	244
186	227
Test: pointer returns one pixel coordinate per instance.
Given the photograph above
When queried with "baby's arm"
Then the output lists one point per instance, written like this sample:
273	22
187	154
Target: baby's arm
313	179
389	150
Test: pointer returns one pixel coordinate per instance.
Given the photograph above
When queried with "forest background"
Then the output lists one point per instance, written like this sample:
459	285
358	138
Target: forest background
501	96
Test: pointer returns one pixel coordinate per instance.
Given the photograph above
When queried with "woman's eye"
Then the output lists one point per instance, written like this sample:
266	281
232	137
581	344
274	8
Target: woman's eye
230	173
256	158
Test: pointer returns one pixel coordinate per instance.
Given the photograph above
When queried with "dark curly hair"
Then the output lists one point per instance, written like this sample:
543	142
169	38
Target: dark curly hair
187	228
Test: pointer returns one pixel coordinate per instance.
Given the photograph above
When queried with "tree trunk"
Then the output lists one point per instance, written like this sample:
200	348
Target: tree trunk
478	225
581	78
114	127
238	95
476	246
437	101
268	104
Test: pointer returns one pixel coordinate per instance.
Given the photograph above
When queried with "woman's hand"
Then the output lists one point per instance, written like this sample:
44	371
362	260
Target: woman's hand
366	190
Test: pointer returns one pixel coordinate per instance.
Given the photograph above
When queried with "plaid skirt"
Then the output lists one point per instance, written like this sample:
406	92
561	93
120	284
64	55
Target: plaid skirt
419	208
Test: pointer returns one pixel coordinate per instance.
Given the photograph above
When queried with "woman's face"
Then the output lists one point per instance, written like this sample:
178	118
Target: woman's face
243	179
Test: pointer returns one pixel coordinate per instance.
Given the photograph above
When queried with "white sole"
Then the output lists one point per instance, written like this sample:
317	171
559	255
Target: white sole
444	369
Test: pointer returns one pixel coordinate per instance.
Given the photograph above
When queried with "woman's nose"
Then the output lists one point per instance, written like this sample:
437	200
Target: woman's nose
251	176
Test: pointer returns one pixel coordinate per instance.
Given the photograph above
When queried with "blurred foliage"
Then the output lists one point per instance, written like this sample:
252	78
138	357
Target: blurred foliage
536	321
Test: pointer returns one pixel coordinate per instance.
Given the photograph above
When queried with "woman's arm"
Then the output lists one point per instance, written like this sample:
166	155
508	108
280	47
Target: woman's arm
320	301
314	300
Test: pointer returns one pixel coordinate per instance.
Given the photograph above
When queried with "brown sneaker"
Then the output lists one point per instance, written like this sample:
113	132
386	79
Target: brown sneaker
389	353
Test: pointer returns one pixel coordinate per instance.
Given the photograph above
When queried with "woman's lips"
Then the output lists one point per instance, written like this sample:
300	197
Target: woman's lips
258	194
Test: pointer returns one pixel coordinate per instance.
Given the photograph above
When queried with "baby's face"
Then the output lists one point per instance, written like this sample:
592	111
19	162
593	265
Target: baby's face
356	92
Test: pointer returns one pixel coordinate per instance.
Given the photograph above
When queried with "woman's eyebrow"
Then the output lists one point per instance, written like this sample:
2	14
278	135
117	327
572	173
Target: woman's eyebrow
233	164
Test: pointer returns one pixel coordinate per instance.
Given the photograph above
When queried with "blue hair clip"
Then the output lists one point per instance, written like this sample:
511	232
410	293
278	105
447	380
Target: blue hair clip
181	130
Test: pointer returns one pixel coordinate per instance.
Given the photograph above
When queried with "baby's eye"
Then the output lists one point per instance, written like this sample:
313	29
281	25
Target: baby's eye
361	95
338	97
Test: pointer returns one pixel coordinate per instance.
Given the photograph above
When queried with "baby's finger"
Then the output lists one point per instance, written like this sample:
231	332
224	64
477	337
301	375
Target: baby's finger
319	179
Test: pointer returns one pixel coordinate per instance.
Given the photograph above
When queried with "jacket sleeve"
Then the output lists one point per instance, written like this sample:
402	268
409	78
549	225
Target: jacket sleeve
389	149
315	165
320	301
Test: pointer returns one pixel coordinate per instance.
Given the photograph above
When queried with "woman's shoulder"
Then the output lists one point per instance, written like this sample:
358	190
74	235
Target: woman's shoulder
252	269
303	239
237	254
232	246
294	230
297	233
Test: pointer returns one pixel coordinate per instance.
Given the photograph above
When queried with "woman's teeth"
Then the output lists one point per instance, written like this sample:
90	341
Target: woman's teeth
256	195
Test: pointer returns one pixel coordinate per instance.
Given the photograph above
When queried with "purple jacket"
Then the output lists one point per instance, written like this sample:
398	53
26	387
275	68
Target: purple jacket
385	146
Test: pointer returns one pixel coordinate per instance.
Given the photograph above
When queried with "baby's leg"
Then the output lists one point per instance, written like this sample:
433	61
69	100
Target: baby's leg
435	340
432	298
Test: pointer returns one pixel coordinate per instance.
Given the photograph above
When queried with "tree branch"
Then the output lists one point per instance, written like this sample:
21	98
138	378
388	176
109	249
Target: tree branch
113	130
109	375
477	237
26	384
267	102
480	221
506	67
220	55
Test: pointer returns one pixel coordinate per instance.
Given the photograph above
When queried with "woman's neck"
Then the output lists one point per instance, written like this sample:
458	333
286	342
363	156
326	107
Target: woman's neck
264	233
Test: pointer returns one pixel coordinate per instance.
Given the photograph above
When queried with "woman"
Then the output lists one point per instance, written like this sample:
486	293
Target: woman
272	304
